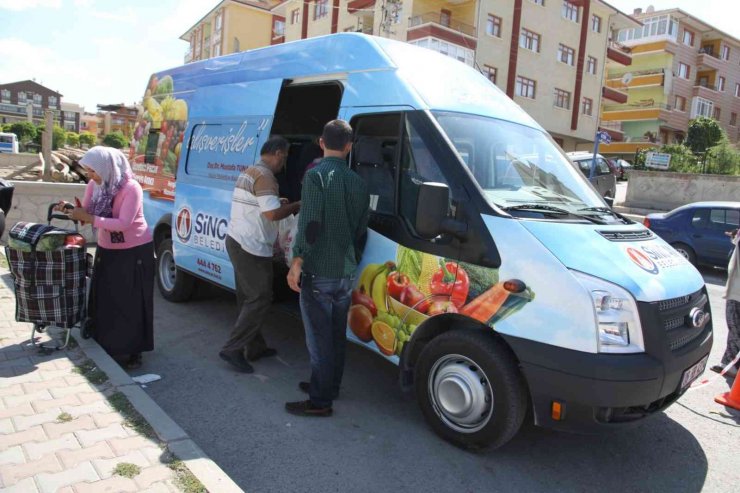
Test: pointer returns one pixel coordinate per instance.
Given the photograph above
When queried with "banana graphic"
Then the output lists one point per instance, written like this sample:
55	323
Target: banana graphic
369	273
378	292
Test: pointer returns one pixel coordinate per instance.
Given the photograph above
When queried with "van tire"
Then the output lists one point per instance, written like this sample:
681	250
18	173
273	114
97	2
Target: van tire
456	358
174	284
686	252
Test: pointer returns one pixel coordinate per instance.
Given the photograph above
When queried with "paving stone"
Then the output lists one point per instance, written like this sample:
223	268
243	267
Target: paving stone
154	454
105	467
16	389
22	410
152	475
90	396
64	364
70	400
90	437
123	446
101	407
22	437
71	458
17	400
45	385
27	377
113	484
53	374
74	379
6	426
72	390
38	450
66	489
14	473
103	420
55	430
161	488
13	455
28	485
26	422
50	483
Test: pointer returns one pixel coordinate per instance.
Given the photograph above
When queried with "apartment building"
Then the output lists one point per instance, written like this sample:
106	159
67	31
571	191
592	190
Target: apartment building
70	116
233	26
89	123
681	68
116	117
26	101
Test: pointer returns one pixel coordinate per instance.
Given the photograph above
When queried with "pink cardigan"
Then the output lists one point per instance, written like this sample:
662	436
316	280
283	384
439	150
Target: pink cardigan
127	228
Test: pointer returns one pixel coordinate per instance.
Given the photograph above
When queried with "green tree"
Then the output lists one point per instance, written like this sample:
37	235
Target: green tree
682	159
703	133
115	139
73	139
58	136
25	131
87	138
723	159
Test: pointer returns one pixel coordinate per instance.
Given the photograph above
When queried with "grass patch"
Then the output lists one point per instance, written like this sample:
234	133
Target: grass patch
64	418
184	479
127	470
91	372
3	262
133	419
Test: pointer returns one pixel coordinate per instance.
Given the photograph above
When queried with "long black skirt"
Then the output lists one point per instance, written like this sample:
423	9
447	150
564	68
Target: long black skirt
122	300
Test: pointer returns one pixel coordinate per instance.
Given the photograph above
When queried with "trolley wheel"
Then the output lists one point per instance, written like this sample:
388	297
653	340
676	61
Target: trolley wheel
87	328
39	328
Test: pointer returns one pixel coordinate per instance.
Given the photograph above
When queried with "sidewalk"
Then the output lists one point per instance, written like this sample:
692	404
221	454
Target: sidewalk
66	426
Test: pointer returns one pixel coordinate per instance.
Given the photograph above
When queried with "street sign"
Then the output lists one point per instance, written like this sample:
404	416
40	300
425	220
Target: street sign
657	160
604	137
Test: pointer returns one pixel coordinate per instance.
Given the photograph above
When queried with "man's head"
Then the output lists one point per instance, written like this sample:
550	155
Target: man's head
274	153
336	141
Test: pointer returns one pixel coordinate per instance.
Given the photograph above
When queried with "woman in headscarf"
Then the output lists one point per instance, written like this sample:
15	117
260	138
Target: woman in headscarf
121	304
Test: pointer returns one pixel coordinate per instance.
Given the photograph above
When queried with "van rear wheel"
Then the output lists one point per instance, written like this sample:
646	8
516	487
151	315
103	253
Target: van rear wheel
470	389
174	284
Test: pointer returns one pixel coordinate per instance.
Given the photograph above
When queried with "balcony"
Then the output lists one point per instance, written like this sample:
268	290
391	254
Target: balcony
434	24
705	90
619	53
614	94
359	7
614	129
708	61
645	109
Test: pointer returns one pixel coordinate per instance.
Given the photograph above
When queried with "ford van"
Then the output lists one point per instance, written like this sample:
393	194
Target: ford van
494	275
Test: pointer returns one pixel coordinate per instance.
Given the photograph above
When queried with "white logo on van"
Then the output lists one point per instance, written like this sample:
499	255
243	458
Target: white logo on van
231	142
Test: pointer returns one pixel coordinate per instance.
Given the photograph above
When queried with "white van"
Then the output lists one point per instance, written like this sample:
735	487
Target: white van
8	143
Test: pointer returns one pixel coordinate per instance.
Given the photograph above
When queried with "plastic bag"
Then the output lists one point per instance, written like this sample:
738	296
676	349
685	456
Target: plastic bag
287	229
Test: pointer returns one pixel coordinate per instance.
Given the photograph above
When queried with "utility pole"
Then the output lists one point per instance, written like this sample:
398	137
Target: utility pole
46	139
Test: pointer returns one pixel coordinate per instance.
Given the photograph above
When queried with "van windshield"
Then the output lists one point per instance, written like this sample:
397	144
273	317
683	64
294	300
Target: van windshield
517	166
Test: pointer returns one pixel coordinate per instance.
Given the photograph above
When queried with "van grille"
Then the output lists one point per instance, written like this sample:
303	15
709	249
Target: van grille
639	235
673	303
674	315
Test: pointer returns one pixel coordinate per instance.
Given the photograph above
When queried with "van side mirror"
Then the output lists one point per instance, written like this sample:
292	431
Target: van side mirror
431	213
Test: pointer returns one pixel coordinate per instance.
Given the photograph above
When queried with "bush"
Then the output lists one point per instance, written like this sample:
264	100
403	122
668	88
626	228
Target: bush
73	139
682	159
58	136
25	131
722	159
87	138
115	139
704	133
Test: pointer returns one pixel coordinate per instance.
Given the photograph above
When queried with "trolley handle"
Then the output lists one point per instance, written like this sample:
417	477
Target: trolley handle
57	215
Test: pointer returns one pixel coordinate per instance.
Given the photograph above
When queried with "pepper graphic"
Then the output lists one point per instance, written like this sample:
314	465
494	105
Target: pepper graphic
450	280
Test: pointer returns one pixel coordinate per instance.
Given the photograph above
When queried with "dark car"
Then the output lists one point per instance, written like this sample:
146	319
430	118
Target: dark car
699	231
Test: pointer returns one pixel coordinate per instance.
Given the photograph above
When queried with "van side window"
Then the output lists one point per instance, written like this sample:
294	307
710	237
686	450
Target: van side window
152	141
374	157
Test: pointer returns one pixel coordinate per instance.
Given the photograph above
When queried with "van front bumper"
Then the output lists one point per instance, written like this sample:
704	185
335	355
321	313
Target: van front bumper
607	391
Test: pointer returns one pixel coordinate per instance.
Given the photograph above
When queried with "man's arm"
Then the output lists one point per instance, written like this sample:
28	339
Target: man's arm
282	212
310	222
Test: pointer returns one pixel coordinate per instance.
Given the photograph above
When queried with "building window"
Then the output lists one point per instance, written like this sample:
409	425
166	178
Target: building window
278	28
52	101
733	119
4	96
716	113
596	24
566	54
295	16
570	11
588	106
217	49
539	2
320	9
493	26
219	22
725	53
451	50
721	84
684	71
529	40
525	88
702	107
491	73
737	90
37	99
688	38
659	27
680	103
591	64
562	99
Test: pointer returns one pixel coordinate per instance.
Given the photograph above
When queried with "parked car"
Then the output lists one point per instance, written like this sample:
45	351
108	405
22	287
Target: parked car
624	167
602	179
698	231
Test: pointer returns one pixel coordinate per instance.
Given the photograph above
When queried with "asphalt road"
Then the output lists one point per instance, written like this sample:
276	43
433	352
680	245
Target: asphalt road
377	439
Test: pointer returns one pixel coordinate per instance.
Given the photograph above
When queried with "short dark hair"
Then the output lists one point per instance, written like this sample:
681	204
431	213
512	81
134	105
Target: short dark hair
337	134
274	144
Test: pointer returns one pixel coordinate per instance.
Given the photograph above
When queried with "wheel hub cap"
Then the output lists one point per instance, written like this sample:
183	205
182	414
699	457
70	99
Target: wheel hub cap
460	393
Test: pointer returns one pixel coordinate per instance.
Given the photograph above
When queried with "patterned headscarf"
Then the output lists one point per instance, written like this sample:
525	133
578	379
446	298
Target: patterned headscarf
112	166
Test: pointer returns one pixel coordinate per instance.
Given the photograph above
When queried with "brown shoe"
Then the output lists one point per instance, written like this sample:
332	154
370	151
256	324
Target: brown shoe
306	408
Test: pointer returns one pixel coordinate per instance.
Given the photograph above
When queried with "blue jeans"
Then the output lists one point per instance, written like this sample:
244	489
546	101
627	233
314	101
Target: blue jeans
324	306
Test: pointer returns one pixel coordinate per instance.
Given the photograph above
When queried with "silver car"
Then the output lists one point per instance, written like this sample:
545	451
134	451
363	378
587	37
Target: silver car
602	178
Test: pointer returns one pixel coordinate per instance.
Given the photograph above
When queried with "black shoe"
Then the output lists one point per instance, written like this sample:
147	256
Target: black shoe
717	368
306	387
306	408
134	362
265	353
236	359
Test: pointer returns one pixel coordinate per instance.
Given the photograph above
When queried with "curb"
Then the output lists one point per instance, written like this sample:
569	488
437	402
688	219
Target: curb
172	435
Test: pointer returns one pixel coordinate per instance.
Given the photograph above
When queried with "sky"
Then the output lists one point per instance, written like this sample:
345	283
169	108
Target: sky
103	51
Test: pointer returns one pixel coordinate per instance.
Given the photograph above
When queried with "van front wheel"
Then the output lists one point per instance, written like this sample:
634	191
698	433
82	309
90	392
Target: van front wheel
470	389
174	284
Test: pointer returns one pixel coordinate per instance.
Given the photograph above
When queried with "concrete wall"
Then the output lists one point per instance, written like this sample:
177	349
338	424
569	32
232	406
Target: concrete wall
10	162
31	203
666	191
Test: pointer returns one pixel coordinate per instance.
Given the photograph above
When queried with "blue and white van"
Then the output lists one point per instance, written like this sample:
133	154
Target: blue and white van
8	143
494	276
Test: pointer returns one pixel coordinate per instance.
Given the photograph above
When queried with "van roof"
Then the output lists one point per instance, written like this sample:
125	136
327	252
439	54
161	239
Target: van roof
419	76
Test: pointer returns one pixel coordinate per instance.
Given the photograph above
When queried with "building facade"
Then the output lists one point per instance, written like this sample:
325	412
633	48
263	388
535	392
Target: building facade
27	101
89	123
681	68
70	117
116	117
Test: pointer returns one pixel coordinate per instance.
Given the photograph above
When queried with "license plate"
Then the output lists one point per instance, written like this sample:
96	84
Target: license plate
694	372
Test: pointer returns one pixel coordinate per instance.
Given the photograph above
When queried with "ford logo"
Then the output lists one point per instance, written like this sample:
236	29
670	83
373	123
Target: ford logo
698	317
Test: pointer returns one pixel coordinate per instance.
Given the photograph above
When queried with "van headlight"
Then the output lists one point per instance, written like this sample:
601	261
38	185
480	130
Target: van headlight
617	319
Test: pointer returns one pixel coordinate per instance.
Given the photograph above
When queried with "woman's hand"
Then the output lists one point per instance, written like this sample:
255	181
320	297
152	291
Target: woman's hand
61	206
80	214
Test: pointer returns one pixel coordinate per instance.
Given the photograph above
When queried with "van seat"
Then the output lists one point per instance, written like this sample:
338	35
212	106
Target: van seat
373	169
